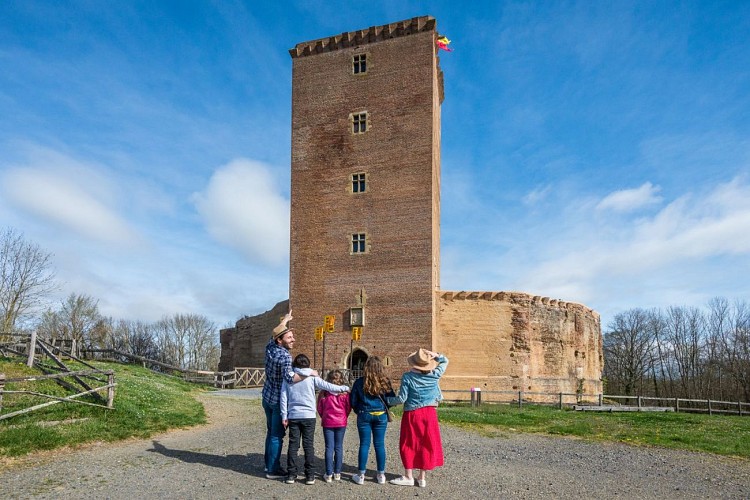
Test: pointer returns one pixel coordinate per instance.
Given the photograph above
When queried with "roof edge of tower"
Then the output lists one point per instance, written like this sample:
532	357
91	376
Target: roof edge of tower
361	37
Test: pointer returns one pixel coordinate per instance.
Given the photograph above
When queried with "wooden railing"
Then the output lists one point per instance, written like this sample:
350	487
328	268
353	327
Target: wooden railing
215	379
88	374
598	402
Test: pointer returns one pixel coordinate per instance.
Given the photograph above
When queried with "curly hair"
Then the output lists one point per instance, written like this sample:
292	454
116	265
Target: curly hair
376	382
335	377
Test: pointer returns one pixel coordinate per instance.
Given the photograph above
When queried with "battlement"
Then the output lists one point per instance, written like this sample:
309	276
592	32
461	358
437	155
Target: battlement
518	297
365	36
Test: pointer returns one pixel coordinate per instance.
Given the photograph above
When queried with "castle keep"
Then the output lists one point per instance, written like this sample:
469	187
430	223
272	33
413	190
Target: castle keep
365	230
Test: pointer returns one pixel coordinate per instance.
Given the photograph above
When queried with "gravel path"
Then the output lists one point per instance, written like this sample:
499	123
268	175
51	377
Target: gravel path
224	459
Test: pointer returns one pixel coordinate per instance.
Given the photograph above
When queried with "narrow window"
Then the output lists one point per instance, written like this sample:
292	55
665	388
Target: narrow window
359	64
358	243
359	122
358	183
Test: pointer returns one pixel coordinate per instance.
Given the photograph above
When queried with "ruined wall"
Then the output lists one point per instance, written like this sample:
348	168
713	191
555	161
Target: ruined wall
245	344
517	341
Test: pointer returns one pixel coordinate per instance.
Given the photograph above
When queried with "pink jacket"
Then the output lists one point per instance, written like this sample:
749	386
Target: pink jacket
334	409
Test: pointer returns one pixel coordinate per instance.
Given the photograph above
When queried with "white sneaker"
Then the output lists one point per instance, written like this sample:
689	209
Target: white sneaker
381	478
422	483
359	478
327	478
402	481
336	477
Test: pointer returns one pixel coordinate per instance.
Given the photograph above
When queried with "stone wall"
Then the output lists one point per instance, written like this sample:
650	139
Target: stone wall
498	341
506	341
245	344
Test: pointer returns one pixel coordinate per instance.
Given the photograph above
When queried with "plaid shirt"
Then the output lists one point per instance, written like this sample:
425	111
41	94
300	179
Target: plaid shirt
278	369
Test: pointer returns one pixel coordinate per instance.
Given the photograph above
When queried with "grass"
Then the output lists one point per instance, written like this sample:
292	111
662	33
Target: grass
145	403
721	434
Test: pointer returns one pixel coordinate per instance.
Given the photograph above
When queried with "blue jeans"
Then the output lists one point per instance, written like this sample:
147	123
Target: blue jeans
371	426
274	437
334	437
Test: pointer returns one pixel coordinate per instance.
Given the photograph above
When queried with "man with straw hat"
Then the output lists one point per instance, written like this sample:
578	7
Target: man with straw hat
278	370
420	444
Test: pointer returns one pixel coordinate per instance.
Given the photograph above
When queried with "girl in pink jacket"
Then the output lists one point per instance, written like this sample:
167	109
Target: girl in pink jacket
334	412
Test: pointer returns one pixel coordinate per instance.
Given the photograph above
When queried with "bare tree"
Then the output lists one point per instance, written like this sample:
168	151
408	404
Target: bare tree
26	278
188	341
685	327
78	318
628	351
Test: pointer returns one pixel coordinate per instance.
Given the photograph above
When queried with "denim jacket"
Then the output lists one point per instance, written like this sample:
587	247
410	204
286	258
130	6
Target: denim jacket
421	389
361	401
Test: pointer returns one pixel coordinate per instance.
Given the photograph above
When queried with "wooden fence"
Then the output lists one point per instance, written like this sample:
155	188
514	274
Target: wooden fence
598	402
215	379
89	374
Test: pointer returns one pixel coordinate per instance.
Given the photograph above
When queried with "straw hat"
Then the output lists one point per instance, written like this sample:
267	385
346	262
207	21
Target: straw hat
280	330
422	361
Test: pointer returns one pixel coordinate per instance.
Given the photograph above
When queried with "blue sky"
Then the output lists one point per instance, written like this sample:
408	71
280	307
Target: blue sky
595	152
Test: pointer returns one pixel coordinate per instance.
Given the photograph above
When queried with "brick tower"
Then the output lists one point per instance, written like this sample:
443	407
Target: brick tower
365	210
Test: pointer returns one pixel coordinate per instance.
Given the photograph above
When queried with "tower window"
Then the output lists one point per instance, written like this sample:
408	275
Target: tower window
359	64
358	183
359	243
359	122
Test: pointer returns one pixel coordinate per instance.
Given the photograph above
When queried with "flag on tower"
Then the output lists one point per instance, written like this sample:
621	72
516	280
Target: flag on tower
443	42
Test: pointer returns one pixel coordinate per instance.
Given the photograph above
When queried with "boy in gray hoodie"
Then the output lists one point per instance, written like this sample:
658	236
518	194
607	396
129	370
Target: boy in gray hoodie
298	410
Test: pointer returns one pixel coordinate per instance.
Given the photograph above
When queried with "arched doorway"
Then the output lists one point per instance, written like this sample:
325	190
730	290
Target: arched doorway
356	363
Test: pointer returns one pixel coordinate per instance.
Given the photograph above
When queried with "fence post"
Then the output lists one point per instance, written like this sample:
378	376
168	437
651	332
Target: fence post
739	407
709	406
110	390
561	401
32	349
677	405
639	402
2	389
601	399
520	399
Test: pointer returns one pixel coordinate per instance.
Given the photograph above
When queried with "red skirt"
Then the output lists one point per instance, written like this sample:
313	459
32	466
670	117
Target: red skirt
420	444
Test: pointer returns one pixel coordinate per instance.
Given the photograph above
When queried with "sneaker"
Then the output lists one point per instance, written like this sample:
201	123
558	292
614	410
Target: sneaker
381	478
422	483
359	478
310	480
275	475
336	477
289	480
327	478
402	481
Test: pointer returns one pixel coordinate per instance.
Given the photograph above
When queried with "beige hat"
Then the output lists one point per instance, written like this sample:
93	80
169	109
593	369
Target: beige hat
280	330
422	361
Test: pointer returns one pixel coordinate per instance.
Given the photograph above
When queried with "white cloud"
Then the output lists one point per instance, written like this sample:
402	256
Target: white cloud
628	200
242	208
71	195
686	237
537	195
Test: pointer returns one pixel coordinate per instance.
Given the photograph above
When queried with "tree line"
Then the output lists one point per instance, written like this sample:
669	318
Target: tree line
685	352
27	280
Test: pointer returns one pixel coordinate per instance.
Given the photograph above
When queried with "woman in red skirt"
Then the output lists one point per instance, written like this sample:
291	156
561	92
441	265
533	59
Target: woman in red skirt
420	444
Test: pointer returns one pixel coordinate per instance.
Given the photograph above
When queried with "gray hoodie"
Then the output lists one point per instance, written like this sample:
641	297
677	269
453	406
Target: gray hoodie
298	399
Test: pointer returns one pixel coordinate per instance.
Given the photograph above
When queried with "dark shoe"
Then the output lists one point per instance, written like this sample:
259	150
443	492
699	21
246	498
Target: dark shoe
289	480
310	480
276	475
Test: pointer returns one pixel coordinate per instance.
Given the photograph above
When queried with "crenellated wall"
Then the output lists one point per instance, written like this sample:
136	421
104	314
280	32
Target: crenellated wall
517	341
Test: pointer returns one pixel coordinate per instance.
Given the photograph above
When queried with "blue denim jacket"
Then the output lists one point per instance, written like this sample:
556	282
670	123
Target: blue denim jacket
421	389
361	401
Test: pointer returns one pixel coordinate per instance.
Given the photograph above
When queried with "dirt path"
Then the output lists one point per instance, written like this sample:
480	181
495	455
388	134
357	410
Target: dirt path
224	459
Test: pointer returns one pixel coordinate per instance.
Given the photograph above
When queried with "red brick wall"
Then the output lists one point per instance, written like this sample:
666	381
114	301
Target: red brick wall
399	212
